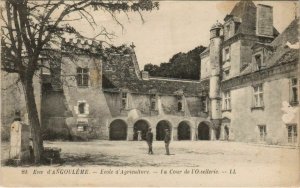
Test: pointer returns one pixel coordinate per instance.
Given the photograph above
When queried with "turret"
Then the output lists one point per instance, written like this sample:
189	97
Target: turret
216	39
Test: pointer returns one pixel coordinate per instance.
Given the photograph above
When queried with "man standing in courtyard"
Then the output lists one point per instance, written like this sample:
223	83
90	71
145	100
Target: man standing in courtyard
149	139
167	141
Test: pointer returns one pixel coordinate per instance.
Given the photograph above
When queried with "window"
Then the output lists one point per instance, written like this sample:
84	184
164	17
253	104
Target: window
294	91
153	102
124	100
179	103
227	54
227	29
204	104
262	132
258	61
81	108
226	101
226	73
82	77
179	106
258	96
292	133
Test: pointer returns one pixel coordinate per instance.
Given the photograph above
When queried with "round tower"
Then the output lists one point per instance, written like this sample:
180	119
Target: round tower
216	39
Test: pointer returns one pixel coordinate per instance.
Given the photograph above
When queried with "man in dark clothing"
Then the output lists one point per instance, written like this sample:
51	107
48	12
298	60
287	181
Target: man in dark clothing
149	139
167	141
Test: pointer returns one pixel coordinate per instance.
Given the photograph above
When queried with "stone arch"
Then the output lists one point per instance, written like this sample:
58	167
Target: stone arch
118	130
184	130
204	129
140	125
160	129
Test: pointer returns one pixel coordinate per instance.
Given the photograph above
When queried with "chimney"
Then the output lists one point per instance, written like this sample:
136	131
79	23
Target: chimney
145	75
264	20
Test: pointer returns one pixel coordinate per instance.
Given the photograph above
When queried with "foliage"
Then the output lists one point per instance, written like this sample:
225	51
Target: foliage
31	36
181	65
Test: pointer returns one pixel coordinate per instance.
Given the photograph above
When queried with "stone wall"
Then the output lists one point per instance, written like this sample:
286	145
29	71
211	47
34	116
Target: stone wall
13	99
245	119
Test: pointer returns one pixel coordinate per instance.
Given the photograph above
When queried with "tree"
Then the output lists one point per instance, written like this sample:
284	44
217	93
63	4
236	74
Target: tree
181	65
32	28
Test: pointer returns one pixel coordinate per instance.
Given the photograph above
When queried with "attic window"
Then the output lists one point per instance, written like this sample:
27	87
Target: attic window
180	103
153	102
258	60
124	100
179	106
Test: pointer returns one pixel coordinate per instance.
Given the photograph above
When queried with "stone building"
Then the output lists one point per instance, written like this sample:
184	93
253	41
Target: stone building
254	77
248	91
107	97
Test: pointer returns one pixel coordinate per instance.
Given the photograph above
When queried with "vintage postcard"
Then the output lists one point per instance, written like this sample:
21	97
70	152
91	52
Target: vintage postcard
145	93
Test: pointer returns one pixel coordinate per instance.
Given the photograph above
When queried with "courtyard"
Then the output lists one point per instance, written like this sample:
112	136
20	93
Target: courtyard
251	164
183	153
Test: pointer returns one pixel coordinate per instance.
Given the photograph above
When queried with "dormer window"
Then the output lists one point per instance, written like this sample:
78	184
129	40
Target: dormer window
228	28
258	60
180	103
124	100
226	73
153	102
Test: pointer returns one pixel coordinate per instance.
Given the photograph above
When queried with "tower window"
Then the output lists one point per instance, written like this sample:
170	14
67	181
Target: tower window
294	91
226	101
227	54
292	133
82	77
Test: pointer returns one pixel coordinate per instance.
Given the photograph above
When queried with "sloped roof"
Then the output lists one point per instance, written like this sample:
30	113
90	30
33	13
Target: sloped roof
282	54
119	71
245	11
290	34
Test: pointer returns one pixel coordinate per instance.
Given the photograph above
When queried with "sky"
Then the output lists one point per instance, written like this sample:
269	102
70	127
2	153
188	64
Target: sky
178	26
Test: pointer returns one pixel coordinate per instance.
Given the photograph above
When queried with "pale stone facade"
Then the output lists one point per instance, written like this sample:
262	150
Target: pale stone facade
259	79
